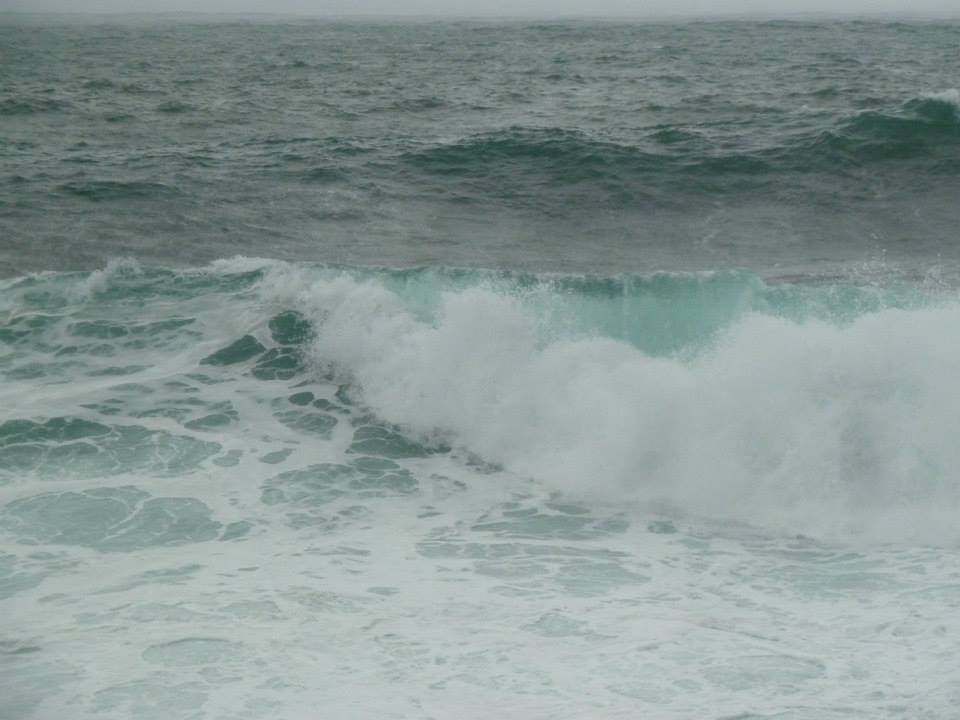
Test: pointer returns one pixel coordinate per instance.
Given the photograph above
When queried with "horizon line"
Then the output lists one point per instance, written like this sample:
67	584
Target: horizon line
741	15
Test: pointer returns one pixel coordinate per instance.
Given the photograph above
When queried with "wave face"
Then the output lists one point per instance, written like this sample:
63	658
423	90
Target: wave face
927	127
817	410
825	410
922	128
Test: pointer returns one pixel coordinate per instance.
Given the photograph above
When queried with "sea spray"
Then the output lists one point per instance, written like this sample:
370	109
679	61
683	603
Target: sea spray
655	490
814	409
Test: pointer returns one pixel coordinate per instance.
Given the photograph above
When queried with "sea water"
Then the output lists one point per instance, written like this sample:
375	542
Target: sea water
559	370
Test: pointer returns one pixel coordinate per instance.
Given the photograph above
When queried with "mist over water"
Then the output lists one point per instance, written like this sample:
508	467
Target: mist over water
528	369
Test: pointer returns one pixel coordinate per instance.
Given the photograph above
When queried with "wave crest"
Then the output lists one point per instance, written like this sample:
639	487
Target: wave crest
528	162
837	425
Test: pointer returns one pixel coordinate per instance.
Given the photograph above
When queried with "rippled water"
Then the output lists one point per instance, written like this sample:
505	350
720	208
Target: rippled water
564	146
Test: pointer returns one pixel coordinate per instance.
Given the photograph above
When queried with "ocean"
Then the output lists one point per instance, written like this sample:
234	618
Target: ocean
479	369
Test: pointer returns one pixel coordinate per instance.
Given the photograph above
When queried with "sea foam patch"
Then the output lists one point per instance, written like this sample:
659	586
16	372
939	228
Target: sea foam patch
387	492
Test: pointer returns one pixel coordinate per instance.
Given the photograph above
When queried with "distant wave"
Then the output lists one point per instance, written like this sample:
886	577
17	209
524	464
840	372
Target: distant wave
27	105
101	190
925	129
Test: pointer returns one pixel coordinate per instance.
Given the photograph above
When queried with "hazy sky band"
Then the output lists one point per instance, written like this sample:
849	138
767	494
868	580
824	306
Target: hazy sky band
451	8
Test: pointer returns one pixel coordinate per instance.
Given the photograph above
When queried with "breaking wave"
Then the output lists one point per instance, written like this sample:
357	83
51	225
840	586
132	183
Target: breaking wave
823	409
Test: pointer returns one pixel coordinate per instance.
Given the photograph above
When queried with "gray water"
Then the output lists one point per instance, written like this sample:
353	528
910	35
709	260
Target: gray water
461	369
574	146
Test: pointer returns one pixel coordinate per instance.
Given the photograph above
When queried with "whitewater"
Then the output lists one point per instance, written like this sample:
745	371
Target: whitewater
261	489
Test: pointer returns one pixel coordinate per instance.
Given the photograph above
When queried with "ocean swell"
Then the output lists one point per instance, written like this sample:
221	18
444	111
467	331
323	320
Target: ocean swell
527	162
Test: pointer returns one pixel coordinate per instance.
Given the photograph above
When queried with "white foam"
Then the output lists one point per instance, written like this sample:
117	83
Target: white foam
811	427
950	96
99	280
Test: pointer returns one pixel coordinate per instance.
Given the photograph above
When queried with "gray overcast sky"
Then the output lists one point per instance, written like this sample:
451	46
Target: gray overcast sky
495	7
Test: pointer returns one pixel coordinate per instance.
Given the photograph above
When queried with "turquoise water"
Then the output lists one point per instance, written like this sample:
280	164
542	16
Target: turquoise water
515	370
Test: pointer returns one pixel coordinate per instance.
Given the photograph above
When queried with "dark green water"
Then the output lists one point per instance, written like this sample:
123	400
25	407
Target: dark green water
788	147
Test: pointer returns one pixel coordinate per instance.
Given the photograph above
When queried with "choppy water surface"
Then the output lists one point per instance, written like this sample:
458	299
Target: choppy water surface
594	370
563	146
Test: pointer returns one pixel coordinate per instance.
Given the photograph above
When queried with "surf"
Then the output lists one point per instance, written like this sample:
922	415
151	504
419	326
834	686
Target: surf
818	408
